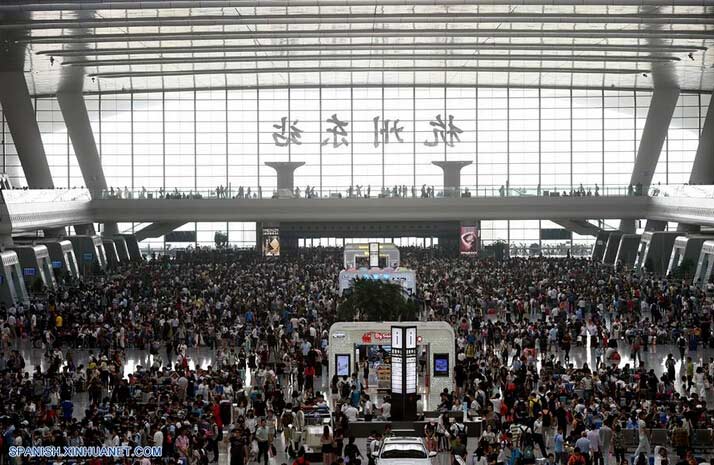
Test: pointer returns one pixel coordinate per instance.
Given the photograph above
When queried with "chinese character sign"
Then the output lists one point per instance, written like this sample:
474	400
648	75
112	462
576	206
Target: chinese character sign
382	131
442	130
293	133
385	131
338	131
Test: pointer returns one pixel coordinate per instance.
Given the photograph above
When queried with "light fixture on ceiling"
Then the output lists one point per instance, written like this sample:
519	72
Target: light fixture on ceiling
691	56
94	79
52	61
644	74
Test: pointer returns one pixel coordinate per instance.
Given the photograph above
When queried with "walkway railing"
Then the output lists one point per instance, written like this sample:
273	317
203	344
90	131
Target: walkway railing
364	192
358	192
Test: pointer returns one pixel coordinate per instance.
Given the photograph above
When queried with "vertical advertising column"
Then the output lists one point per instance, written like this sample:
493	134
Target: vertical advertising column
404	373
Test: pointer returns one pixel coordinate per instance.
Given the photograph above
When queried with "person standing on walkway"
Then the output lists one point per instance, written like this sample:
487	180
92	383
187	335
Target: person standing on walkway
605	442
644	437
262	435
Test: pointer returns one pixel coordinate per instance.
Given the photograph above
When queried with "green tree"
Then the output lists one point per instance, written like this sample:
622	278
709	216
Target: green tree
376	300
220	239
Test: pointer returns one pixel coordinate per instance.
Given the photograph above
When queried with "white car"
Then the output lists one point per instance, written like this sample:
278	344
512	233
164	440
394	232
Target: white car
404	450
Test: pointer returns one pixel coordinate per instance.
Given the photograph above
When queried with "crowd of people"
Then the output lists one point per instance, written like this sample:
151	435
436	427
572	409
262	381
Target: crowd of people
265	323
361	191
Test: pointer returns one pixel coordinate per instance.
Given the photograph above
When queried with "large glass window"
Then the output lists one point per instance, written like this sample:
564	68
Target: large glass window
492	153
372	137
117	143
10	161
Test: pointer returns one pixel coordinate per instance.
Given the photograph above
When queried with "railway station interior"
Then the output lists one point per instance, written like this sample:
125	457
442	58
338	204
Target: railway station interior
364	232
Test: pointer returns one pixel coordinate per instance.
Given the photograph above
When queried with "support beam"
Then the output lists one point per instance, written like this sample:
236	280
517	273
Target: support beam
580	227
157	230
286	173
76	118
659	115
703	167
20	115
452	176
74	112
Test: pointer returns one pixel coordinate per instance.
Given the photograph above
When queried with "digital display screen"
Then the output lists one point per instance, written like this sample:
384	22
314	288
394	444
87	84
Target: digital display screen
342	365
28	272
87	257
56	264
373	254
397	373
411	375
441	364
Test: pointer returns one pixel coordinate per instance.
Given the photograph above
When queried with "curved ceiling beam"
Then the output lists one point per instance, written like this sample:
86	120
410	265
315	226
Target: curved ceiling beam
351	33
367	69
386	85
418	46
408	18
160	4
352	57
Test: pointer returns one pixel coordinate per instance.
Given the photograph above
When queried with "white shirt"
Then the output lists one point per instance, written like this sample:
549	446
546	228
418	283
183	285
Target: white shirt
386	410
351	413
641	429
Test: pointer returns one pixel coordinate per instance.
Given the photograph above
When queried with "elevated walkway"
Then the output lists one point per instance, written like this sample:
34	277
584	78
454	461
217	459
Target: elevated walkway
29	210
372	209
24	211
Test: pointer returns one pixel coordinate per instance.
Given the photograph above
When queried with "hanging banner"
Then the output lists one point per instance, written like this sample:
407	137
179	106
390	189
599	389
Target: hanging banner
271	242
469	240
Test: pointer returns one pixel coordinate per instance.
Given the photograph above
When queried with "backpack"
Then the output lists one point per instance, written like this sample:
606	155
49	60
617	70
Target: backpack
526	437
528	454
345	390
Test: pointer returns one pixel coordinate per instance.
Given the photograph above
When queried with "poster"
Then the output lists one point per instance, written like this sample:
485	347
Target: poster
271	242
469	240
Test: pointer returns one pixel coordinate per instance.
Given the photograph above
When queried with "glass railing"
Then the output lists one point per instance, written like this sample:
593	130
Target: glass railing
25	196
698	191
359	192
364	192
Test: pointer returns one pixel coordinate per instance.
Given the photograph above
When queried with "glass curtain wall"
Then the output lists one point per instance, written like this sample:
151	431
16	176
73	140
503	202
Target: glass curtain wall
555	139
10	161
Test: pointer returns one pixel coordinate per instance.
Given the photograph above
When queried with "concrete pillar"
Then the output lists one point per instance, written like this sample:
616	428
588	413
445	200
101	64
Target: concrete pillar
659	115
74	112
76	118
156	230
703	167
286	173
20	115
580	227
600	246
452	176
